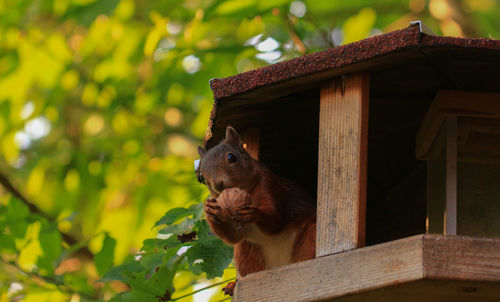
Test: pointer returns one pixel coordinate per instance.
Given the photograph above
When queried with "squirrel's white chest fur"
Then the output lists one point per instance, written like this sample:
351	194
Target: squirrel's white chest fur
277	249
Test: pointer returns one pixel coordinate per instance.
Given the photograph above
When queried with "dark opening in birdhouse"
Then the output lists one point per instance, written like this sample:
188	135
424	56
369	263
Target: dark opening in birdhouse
286	128
461	137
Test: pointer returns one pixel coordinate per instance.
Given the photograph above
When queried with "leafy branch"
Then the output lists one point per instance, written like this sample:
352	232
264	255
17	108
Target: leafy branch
190	246
7	184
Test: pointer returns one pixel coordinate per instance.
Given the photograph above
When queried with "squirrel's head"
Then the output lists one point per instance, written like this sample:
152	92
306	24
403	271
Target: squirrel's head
226	165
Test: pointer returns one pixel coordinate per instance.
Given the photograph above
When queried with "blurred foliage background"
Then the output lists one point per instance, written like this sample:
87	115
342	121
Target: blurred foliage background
102	104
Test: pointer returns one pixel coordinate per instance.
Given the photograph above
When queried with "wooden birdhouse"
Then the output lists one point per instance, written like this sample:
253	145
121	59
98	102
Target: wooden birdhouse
398	138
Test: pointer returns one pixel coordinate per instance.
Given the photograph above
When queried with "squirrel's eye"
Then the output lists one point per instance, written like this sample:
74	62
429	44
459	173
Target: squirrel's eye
201	179
231	158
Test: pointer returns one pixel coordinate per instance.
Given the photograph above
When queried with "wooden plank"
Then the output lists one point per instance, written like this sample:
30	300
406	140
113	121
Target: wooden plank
251	142
470	266
451	176
337	275
462	258
342	163
459	103
430	291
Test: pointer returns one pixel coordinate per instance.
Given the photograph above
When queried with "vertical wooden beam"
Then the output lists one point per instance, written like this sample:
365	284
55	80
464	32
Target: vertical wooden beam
342	164
251	142
451	176
442	180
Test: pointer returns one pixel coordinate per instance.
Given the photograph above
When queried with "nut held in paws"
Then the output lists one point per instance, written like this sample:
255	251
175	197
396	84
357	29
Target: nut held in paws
231	200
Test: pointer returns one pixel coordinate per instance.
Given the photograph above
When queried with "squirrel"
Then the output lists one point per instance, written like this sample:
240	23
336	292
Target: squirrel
278	225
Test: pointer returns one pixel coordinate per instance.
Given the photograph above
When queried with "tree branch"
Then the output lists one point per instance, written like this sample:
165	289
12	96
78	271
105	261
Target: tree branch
202	289
301	47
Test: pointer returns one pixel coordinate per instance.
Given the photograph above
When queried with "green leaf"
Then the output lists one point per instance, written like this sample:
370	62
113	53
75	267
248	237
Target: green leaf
78	283
134	296
16	214
120	273
161	281
182	228
17	209
154	245
178	213
50	242
269	4
203	230
231	7
152	261
104	259
209	255
173	215
18	228
7	243
197	211
87	14
358	27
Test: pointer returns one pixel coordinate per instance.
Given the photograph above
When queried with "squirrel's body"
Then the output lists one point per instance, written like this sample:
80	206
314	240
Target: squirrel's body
278	227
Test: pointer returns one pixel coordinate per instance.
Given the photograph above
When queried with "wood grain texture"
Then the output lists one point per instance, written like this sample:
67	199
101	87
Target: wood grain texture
434	267
462	258
458	103
251	142
430	291
337	275
342	162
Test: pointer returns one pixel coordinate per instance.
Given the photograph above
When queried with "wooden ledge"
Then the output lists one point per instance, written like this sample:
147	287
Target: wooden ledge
430	266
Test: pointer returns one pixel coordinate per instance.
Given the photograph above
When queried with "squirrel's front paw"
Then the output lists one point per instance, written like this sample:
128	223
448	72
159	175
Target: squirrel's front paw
245	214
229	288
213	211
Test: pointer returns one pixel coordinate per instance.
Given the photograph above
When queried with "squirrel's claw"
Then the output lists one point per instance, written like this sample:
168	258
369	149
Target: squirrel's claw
229	288
213	212
246	214
214	219
212	206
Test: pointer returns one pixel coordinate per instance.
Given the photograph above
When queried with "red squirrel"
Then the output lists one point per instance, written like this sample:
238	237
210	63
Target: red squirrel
276	228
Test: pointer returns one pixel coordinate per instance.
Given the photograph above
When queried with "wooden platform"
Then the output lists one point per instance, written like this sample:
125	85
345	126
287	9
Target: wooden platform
461	269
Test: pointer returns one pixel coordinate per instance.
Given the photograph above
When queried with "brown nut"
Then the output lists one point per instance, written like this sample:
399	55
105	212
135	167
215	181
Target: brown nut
231	200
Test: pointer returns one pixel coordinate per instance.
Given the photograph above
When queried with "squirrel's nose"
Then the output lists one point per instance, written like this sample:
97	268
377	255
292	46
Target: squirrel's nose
219	187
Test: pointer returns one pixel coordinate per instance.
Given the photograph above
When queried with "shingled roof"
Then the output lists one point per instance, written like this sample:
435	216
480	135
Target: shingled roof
341	56
405	55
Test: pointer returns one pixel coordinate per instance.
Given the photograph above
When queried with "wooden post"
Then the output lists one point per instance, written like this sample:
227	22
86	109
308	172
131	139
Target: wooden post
450	225
251	142
342	164
442	180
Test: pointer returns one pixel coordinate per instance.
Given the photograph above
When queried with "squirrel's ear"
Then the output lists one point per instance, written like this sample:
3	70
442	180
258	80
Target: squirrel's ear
201	151
232	136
